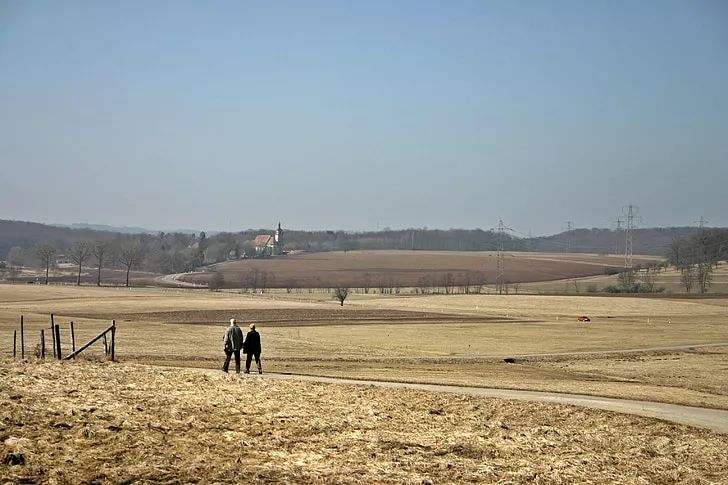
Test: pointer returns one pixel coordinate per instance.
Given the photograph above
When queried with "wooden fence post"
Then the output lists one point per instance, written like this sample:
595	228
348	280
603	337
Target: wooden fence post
106	346
58	341
73	340
89	343
42	344
53	335
22	338
15	343
113	340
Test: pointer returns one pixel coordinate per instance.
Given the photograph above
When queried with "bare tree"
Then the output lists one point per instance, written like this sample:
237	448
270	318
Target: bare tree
648	280
424	283
80	253
687	277
448	282
341	294
15	256
130	256
46	253
252	279
15	262
100	250
366	282
216	282
704	275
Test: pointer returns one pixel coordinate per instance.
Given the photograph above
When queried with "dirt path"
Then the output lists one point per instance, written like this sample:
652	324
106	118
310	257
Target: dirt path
173	280
713	419
673	348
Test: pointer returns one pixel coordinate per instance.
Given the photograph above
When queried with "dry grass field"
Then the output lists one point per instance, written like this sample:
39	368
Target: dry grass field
406	268
444	339
86	422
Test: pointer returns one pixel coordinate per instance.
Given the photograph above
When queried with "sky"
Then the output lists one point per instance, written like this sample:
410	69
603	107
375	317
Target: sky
346	115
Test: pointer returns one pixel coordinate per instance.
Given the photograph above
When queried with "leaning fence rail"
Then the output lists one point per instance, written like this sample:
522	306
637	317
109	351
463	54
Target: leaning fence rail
112	329
55	336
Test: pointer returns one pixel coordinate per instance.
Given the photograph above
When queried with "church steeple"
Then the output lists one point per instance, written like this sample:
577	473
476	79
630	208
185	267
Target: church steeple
279	233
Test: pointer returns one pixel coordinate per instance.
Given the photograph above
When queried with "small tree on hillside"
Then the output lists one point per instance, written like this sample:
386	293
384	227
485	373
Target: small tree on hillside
46	253
15	262
100	250
80	253
687	278
626	281
130	256
216	282
341	294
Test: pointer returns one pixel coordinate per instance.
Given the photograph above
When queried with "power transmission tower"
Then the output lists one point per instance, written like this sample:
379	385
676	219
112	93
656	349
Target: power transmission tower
701	223
616	241
569	230
500	258
631	211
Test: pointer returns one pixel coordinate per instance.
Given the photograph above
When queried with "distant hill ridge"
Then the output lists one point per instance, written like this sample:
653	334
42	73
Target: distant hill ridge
602	241
122	229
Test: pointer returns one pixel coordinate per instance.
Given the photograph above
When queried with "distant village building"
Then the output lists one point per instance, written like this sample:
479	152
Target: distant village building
269	245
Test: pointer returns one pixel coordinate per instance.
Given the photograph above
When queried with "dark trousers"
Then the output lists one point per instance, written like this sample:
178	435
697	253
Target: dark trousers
249	358
228	354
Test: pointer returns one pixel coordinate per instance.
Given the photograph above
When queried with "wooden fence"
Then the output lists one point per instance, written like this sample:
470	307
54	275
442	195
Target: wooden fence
109	350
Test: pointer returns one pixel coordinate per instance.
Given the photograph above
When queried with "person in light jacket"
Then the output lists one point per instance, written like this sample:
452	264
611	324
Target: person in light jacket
233	340
252	349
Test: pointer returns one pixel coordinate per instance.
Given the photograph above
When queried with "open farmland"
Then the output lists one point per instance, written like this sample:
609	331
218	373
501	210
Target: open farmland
444	339
123	423
409	268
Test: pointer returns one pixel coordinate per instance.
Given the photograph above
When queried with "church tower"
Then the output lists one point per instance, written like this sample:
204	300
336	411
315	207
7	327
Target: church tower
277	239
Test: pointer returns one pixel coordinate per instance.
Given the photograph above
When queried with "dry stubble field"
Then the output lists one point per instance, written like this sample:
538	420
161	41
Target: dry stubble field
87	421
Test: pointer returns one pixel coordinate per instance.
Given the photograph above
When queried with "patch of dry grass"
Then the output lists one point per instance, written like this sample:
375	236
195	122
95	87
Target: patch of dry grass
89	422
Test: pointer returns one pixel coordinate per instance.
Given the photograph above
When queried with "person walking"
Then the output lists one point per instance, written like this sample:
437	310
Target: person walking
233	343
252	349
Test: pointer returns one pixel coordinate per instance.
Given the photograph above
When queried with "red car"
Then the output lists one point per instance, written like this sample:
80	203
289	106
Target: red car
584	318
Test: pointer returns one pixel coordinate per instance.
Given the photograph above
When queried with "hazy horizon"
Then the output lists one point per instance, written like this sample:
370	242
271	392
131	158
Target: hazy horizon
328	115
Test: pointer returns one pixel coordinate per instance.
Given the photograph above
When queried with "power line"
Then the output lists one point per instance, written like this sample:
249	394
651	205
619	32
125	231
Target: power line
616	241
632	213
569	229
500	257
701	223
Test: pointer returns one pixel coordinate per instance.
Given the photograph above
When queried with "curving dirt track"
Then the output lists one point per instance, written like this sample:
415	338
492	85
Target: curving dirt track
713	419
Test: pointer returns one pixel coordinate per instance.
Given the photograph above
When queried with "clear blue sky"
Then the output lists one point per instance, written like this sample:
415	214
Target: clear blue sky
345	115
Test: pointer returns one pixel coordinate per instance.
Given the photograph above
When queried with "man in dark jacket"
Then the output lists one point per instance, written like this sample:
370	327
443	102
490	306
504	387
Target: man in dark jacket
252	349
233	343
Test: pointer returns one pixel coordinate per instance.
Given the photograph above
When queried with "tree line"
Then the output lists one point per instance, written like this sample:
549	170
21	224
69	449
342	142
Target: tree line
161	253
696	256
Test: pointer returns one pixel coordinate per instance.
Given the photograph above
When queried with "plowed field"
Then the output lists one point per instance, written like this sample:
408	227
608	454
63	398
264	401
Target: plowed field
409	268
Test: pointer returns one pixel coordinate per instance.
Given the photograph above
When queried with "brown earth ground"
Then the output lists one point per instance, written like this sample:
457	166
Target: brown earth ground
86	422
453	339
406	268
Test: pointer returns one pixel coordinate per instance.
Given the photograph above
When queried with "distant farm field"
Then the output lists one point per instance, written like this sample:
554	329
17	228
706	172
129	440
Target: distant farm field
409	268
